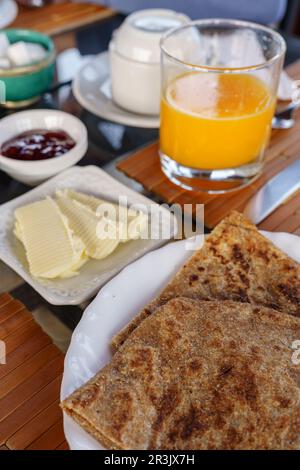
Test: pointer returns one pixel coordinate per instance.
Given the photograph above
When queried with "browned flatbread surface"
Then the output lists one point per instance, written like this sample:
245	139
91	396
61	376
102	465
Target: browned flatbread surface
198	375
236	263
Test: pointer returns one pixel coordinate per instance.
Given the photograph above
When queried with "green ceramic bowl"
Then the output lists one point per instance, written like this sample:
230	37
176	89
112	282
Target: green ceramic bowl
24	85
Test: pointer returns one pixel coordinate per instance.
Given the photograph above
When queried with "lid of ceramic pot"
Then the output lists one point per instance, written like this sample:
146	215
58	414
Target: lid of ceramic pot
139	35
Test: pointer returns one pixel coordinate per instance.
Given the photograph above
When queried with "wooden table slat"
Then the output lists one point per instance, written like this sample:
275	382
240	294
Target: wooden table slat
9	309
11	402
35	427
16	338
58	18
51	439
63	446
284	211
30	416
29	409
33	345
5	298
27	369
290	224
14	322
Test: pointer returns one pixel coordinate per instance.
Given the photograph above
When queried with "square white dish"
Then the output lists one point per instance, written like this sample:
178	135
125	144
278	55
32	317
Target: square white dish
95	273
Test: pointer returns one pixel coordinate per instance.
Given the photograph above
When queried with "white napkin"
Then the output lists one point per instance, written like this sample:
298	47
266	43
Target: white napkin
68	64
286	87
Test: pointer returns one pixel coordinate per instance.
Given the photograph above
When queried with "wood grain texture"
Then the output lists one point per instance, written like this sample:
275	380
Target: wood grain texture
9	309
27	369
61	17
25	351
4	299
37	426
21	394
63	446
30	416
14	322
51	439
284	148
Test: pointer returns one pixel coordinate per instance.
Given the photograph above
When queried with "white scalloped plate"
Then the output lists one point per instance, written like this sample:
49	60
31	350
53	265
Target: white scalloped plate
91	88
95	273
115	305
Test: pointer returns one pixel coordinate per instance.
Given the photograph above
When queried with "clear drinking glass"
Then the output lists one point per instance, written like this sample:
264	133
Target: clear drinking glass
219	88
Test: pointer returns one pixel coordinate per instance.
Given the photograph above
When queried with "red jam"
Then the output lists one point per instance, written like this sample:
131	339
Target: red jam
38	145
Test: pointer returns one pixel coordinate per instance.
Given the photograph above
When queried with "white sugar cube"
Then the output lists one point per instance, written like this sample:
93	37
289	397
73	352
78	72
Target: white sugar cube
4	63
4	45
23	53
19	54
36	51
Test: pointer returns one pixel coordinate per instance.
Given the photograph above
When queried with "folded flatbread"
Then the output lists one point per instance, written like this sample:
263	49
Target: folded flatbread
236	263
198	375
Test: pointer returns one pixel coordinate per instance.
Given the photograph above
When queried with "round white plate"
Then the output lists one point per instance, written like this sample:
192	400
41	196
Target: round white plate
8	12
119	301
91	87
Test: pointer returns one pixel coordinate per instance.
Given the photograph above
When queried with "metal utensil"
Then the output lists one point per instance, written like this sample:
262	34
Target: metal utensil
273	193
284	119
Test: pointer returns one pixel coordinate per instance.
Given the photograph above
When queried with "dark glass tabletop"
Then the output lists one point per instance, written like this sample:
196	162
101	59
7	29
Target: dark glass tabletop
108	142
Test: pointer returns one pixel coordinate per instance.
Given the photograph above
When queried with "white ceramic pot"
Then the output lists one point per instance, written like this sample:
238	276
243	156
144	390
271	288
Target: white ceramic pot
135	85
35	172
134	55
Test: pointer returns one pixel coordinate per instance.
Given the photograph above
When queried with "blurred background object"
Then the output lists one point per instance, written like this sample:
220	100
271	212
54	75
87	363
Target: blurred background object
284	15
8	12
35	3
263	11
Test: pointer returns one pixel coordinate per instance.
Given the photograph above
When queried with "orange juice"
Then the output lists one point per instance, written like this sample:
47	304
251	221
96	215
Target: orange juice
215	121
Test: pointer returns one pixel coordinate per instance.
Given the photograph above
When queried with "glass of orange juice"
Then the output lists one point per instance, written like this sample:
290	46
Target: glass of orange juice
219	88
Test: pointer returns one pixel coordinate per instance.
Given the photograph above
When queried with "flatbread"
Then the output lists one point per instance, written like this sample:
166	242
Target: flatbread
198	375
236	263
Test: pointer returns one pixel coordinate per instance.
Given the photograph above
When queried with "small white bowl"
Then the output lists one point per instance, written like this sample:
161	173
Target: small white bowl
134	53
35	172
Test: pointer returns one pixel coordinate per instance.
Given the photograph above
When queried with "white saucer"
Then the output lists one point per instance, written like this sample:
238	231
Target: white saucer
91	88
8	12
